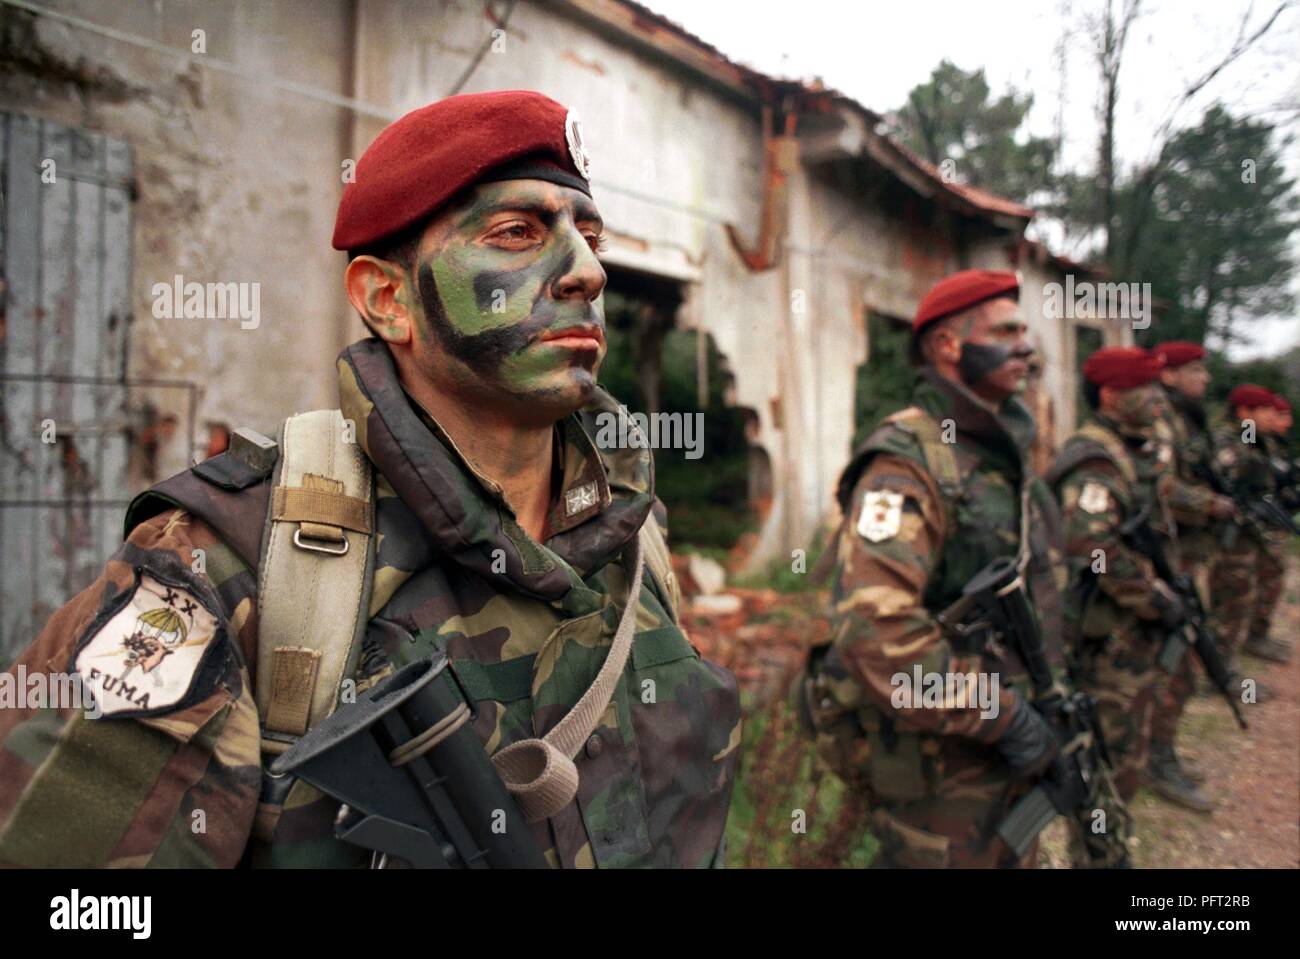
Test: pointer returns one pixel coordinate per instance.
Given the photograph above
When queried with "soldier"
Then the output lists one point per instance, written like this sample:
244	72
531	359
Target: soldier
1119	609
1195	508
1286	465
1247	579
939	491
1272	557
459	505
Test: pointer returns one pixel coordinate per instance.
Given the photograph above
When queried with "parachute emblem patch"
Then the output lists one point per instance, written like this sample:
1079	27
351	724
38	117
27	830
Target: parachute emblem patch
145	657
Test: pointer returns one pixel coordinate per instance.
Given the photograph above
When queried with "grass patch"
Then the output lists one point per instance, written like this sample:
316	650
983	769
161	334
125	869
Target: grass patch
785	813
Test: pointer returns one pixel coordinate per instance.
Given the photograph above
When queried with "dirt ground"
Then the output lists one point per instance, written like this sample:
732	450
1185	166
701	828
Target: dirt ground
1254	775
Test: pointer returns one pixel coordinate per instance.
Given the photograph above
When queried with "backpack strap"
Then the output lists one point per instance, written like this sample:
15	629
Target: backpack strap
940	458
314	577
540	772
1091	442
659	563
230	492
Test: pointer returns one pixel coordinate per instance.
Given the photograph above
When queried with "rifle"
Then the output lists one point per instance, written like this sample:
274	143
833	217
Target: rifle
1270	512
415	782
1206	473
995	607
1262	508
1286	476
1288	484
1139	535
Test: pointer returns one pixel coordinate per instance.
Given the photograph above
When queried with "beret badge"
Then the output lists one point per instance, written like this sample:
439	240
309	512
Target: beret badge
577	147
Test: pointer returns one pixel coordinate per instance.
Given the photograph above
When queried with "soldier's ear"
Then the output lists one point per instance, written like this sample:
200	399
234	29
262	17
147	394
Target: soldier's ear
377	290
947	343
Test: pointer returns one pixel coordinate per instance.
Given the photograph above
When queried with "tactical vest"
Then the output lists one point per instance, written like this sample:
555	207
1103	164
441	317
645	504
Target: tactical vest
1090	614
885	757
1247	467
330	624
982	523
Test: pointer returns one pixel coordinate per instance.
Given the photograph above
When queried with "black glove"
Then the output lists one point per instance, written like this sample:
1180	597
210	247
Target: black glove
1029	745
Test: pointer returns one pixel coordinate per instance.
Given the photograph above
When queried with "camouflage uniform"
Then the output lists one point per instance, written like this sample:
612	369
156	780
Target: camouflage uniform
932	778
1286	472
1247	580
1271	571
656	774
1189	500
1103	480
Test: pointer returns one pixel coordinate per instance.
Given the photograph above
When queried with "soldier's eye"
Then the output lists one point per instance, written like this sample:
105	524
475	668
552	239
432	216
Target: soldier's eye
513	234
597	242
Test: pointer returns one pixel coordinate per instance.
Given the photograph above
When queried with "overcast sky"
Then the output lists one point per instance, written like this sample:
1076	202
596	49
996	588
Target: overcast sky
877	51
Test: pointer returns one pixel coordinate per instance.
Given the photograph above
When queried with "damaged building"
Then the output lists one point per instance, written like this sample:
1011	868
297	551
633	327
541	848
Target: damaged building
771	223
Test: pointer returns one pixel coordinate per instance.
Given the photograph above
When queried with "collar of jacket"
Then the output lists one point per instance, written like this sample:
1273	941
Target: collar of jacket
1135	444
1001	438
605	497
1140	440
1191	409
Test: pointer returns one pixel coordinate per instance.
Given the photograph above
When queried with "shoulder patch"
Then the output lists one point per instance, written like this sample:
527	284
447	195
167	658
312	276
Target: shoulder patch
1094	498
882	515
146	652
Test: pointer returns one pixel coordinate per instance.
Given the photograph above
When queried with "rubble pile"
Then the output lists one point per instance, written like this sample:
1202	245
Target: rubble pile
761	635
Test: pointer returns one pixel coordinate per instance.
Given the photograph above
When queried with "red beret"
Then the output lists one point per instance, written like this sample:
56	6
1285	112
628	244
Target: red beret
1122	367
961	291
1178	353
1281	402
1251	397
420	161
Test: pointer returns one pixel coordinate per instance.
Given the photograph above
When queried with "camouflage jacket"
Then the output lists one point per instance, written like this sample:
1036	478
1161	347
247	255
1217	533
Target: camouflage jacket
1246	466
1188	495
1286	472
133	789
1102	481
914	533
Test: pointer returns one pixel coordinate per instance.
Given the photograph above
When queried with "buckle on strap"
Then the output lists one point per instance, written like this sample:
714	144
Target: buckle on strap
297	541
323	513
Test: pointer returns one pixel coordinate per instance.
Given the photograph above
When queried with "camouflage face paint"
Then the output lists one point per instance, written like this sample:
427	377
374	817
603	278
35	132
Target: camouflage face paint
994	360
1139	407
979	360
514	270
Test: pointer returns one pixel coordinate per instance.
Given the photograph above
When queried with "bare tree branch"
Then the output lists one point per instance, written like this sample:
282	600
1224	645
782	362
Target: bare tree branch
1239	47
1151	176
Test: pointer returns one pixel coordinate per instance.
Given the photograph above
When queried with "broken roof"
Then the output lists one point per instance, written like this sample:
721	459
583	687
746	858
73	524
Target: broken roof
631	21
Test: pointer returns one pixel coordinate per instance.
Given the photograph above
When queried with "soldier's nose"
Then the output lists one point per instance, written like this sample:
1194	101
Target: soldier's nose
585	277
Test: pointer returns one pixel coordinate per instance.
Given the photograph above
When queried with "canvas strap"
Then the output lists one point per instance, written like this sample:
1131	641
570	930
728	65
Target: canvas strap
314	576
540	773
1114	448
940	460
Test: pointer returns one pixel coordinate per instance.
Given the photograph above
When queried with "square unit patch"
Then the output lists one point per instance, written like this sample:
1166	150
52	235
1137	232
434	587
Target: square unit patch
882	515
583	497
1094	498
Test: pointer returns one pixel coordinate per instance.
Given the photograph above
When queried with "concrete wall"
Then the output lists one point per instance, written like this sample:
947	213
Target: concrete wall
1057	338
239	179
